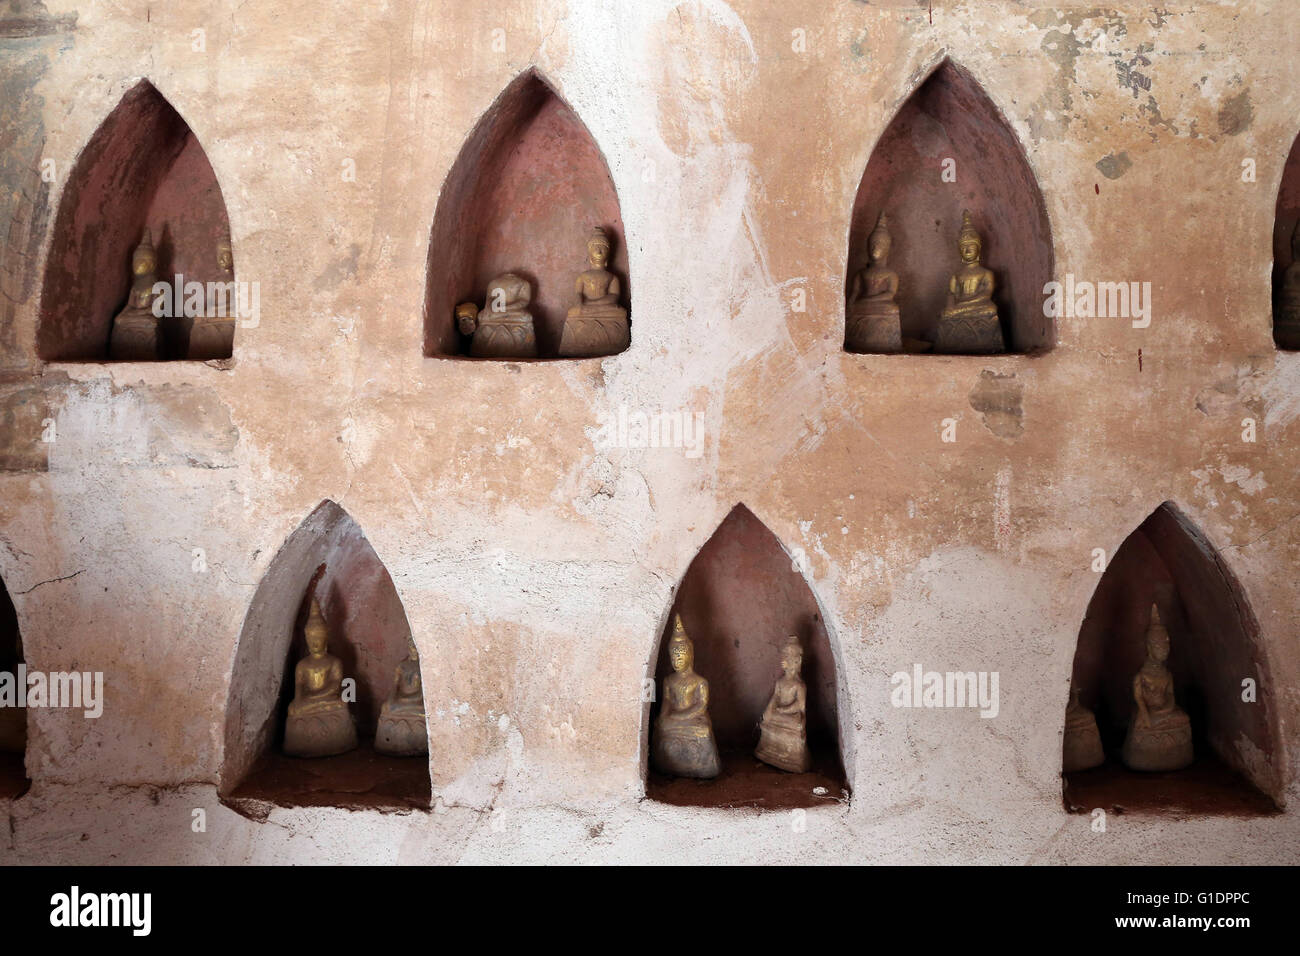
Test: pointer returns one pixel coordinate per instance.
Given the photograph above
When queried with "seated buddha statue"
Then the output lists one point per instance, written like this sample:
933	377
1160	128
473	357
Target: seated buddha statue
319	724
1082	746
503	328
597	325
1159	733
1286	312
783	738
212	334
136	335
401	731
683	734
969	322
872	323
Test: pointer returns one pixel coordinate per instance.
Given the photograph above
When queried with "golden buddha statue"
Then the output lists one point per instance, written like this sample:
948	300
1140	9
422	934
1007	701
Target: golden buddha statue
597	325
969	322
783	738
1082	748
683	734
1286	313
1159	733
212	334
401	731
872	323
319	724
503	328
136	336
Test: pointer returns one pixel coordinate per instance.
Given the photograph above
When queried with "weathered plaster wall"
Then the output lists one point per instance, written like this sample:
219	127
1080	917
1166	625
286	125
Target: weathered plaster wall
536	568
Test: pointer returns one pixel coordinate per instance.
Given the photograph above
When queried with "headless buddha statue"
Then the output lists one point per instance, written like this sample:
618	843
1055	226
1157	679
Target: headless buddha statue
1082	747
872	322
969	322
212	334
503	328
1159	733
401	731
783	738
319	724
136	336
1286	311
683	734
597	325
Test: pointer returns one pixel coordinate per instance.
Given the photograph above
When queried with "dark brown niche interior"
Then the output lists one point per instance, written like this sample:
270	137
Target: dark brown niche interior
368	631
950	117
142	168
1285	220
13	720
1215	644
739	600
525	192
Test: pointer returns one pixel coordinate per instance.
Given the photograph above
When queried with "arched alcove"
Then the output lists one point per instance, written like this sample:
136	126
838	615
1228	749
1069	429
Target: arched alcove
523	196
949	117
1215	645
368	633
13	719
1286	220
740	598
143	168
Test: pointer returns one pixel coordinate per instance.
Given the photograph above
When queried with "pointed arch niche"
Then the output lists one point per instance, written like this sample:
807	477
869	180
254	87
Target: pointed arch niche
1286	233
739	599
367	632
1215	644
950	117
143	168
529	185
13	720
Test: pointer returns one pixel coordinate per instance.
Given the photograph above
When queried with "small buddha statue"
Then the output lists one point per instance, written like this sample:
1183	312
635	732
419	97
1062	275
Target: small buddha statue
503	328
1159	733
597	325
783	737
135	336
401	731
1082	749
872	322
319	724
1286	315
969	322
212	334
683	734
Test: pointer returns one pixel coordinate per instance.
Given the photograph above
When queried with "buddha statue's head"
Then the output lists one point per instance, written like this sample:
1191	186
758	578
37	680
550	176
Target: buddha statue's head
1157	638
969	243
466	317
879	242
791	656
681	652
598	248
143	260
316	632
225	257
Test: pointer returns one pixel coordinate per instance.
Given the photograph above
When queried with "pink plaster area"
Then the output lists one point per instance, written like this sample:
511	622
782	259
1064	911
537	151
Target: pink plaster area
1214	645
523	196
950	117
143	167
739	600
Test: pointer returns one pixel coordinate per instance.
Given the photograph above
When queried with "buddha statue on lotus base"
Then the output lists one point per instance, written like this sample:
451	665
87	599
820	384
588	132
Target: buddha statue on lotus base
872	323
503	328
969	322
683	733
136	335
1082	748
401	731
597	325
1286	312
783	737
319	724
212	334
1159	733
